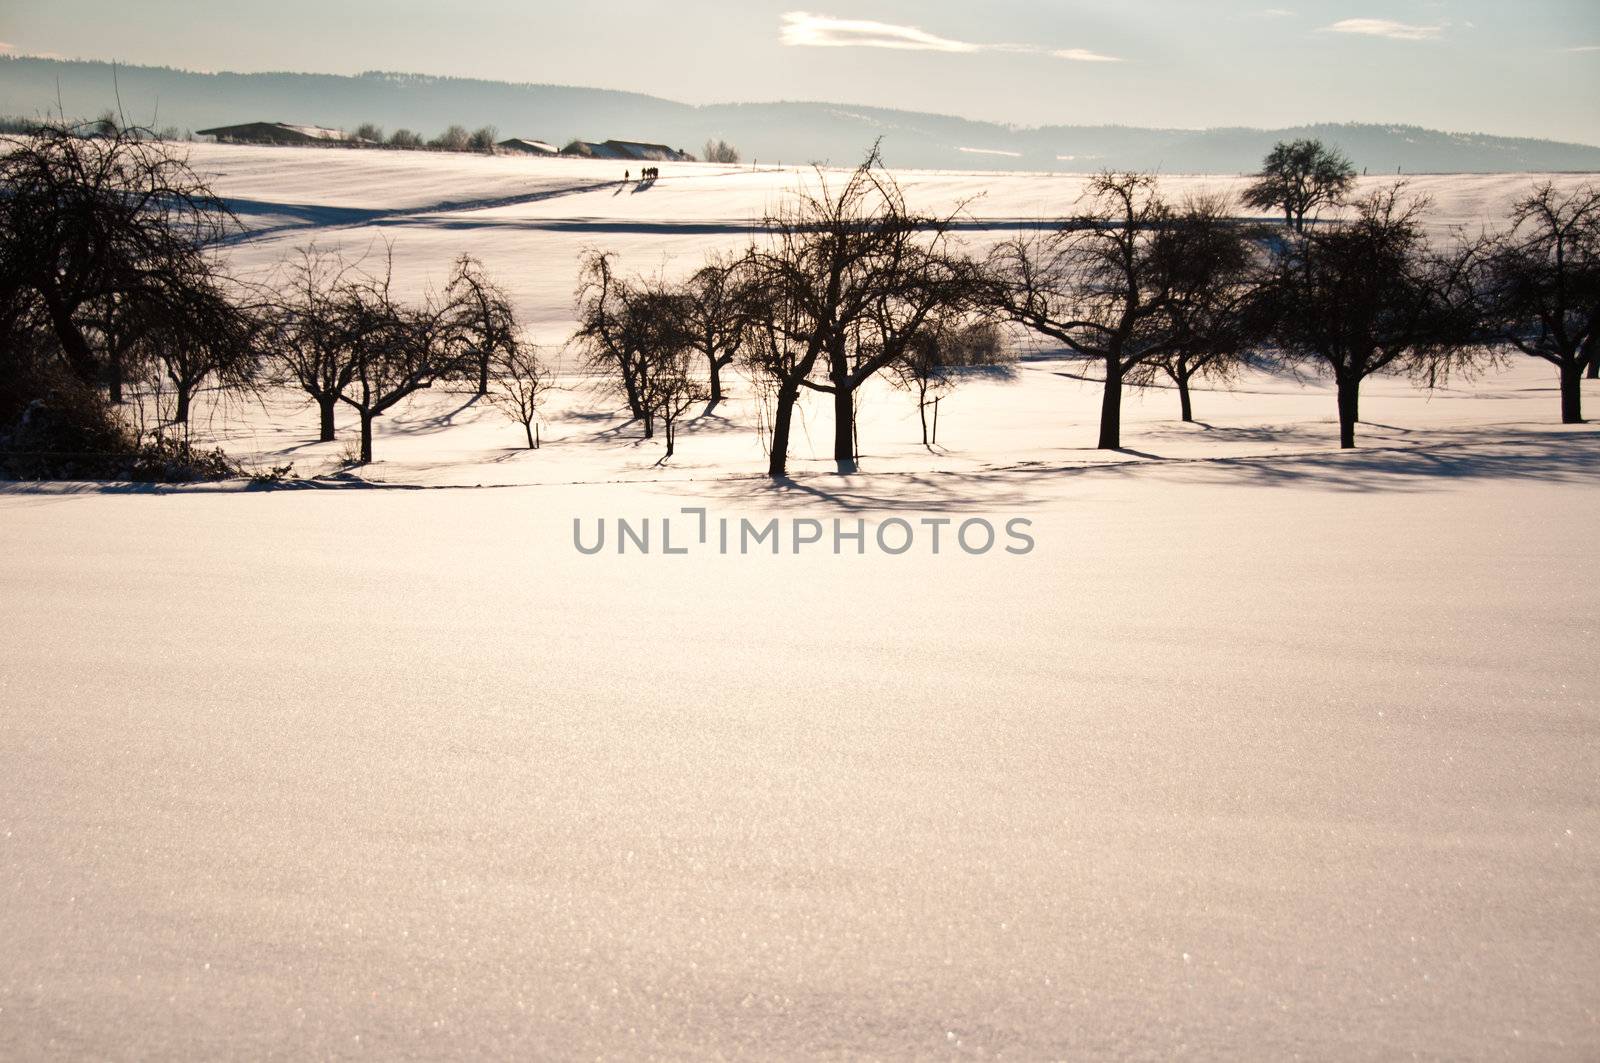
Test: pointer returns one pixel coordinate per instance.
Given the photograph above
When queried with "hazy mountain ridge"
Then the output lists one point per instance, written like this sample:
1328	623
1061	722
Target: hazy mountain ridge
786	131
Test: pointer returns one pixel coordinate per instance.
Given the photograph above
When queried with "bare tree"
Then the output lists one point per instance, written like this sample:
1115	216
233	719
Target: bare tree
485	315
714	318
1543	285
1299	176
213	339
483	138
1212	278
721	151
370	132
850	277
117	216
932	363
454	138
314	331
521	382
1098	285
1366	296
609	333
672	386
398	350
405	139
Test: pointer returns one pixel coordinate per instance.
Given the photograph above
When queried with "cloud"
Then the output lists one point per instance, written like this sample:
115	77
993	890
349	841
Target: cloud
991	151
1274	12
1084	55
1584	48
1383	27
801	29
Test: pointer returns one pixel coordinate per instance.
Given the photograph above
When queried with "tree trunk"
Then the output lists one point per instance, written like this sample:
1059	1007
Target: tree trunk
1592	346
782	417
671	439
1185	409
366	438
1111	407
527	426
325	410
1572	393
181	415
115	381
716	385
483	375
844	442
922	412
1349	412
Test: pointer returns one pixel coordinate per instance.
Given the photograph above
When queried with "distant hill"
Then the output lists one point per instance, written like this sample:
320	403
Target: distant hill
768	132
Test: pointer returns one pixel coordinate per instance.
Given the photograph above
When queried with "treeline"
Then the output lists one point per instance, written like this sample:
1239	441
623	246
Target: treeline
111	275
454	138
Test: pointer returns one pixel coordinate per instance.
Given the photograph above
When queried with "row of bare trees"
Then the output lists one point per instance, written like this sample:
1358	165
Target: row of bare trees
110	271
339	333
849	282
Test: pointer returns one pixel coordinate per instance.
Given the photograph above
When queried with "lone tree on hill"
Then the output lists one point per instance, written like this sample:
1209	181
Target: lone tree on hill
1299	176
1543	290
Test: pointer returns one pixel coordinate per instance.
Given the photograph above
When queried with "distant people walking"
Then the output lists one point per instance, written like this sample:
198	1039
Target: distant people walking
627	175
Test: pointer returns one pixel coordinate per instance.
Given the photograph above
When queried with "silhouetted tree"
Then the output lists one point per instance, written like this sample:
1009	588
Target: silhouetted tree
1366	296
1099	285
1543	285
609	334
714	310
1297	177
483	138
405	139
213	339
521	381
848	276
90	220
485	315
1209	266
370	131
398	350
314	329
932	363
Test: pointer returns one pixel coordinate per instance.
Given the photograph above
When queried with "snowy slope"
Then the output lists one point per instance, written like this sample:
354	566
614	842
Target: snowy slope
1264	751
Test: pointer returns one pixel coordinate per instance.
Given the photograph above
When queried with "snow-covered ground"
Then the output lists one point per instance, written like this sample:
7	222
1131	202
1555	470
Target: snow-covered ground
1264	751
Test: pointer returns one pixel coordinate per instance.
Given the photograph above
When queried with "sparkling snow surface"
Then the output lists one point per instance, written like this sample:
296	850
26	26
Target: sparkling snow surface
1265	751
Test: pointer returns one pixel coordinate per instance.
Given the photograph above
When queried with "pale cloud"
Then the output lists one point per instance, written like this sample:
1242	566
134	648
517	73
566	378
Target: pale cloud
1084	55
991	151
6	47
802	29
1584	48
1384	27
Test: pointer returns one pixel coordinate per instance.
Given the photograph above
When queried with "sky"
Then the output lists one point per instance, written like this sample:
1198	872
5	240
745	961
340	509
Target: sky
1510	68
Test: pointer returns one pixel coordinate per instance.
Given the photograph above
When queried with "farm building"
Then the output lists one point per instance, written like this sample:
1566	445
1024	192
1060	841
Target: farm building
528	147
277	133
626	149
